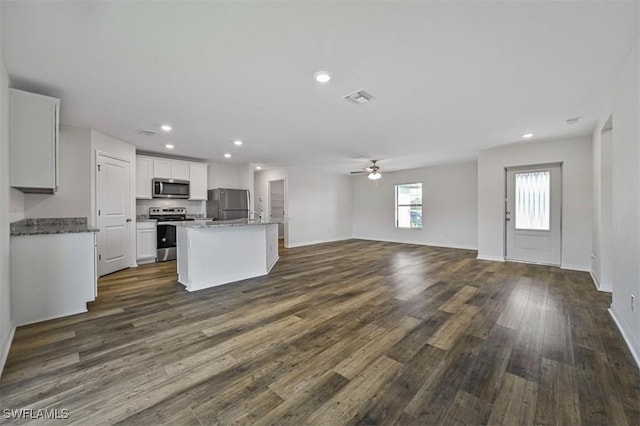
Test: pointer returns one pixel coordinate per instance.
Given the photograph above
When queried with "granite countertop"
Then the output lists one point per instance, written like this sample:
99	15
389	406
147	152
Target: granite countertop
143	218
223	223
46	226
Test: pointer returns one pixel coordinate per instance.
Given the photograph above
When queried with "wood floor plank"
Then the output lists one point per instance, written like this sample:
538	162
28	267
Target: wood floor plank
485	376
360	359
350	332
467	410
446	336
516	402
459	299
431	402
396	395
352	401
301	404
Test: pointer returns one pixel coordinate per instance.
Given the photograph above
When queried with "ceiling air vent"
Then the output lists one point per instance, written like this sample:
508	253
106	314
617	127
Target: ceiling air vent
146	132
358	97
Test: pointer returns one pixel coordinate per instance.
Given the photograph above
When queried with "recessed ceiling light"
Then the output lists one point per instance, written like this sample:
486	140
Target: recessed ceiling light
169	146
322	76
527	135
237	142
227	155
258	167
166	127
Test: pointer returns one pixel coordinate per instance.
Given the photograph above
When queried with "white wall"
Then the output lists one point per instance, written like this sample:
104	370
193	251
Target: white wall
6	327
624	107
606	210
602	226
318	205
16	205
575	154
73	198
193	207
225	175
124	151
449	206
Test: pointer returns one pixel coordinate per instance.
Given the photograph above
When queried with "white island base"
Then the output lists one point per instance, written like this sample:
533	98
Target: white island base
216	253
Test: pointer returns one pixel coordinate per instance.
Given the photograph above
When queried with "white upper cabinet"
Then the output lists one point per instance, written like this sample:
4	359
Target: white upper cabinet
148	168
179	170
198	184
162	168
170	169
144	175
33	142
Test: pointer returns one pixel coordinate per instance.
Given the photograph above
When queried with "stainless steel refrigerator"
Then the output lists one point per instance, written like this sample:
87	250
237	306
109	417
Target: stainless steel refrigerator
228	204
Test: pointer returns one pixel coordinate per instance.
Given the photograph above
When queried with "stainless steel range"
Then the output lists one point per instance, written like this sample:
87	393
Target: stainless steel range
166	240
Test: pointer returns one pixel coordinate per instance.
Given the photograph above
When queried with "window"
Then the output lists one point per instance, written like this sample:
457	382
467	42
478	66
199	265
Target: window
532	200
409	205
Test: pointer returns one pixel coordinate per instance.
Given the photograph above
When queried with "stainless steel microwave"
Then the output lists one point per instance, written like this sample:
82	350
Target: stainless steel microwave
170	188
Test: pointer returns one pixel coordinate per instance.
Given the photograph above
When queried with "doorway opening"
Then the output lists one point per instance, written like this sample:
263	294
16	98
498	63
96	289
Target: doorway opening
276	206
533	214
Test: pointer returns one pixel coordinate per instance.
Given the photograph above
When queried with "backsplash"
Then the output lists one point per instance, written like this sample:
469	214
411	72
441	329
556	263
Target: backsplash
193	207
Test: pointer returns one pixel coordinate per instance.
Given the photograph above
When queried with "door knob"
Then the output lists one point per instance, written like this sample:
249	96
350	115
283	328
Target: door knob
128	219
507	219
508	212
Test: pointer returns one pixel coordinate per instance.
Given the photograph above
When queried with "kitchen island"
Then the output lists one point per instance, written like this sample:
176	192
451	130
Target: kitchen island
213	253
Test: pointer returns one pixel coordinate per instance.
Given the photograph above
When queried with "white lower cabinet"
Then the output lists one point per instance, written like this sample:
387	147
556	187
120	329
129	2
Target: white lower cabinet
146	251
52	276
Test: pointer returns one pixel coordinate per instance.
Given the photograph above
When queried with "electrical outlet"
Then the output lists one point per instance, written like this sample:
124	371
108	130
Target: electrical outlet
633	303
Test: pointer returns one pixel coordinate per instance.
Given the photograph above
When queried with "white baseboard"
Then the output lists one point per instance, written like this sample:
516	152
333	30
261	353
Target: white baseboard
77	311
430	244
270	267
595	280
201	285
571	267
310	243
490	258
4	350
634	346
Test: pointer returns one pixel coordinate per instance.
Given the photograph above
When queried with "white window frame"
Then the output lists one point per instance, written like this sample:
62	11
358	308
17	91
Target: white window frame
396	205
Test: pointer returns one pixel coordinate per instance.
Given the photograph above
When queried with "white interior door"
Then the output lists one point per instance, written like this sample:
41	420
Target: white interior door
114	209
276	204
533	214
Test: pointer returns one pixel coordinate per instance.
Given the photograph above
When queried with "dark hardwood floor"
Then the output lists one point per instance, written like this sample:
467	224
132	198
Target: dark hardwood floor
352	332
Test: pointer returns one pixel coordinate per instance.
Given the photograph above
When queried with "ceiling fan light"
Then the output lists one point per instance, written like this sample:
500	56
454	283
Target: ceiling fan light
374	175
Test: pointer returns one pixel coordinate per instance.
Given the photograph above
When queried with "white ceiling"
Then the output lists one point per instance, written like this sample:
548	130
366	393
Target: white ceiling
449	78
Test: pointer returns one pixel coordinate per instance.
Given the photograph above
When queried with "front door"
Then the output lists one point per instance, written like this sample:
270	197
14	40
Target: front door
533	214
114	209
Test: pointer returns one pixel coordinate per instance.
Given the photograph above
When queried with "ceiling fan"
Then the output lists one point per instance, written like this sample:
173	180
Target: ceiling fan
373	170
